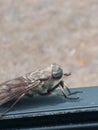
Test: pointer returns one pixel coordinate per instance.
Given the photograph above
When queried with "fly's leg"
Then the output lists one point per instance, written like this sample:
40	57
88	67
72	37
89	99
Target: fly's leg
65	86
69	92
67	96
62	90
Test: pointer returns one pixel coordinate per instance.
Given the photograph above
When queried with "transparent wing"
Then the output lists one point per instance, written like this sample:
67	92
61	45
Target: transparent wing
14	88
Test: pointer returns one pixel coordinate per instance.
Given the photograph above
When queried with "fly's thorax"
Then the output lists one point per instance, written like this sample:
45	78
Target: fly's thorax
48	85
40	89
52	83
43	87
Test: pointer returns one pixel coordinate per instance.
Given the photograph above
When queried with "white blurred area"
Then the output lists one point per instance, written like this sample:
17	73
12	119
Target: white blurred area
36	33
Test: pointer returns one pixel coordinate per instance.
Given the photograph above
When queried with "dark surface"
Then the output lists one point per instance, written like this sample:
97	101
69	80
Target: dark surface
53	103
54	111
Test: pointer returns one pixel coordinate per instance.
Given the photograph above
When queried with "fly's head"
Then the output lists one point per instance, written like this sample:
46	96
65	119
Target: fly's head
56	77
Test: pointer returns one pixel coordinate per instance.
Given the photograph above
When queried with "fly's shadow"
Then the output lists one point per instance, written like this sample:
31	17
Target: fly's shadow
36	103
33	103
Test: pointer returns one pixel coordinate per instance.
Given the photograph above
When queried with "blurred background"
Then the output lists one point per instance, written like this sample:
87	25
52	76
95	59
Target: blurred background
36	33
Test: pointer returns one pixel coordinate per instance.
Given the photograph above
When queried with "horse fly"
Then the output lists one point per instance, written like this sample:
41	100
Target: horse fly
41	82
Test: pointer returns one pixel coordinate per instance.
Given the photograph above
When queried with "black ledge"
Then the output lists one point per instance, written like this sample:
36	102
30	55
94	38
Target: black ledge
54	112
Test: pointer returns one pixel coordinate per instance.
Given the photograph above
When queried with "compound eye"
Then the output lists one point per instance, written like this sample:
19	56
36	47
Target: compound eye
57	74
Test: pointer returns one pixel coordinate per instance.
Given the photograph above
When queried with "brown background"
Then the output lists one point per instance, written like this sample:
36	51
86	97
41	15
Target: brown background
36	33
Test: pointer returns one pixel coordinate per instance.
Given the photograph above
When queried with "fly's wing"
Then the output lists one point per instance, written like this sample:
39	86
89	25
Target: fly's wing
14	88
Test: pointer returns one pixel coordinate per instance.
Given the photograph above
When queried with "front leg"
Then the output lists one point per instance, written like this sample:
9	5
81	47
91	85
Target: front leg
64	85
59	85
69	92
